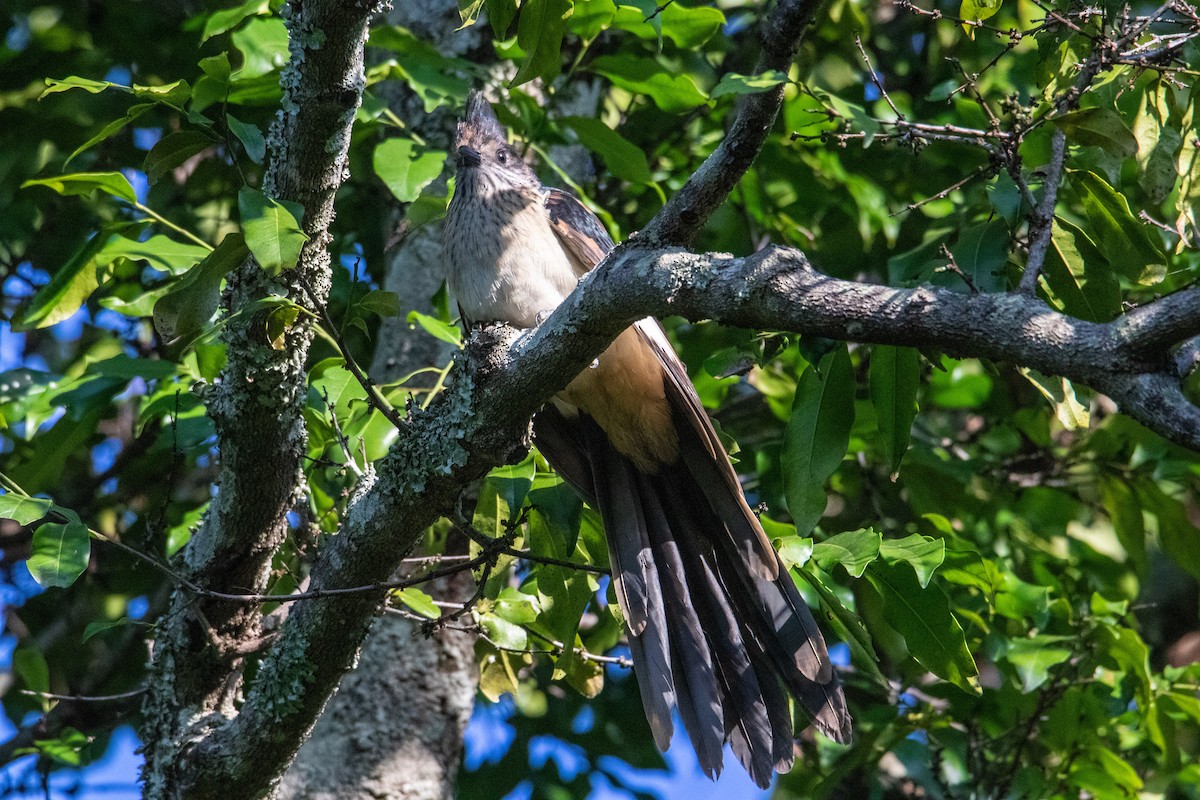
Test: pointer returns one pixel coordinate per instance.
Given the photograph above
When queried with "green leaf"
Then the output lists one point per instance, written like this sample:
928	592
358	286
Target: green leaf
1125	512
794	551
501	13
380	302
893	379
73	283
406	168
435	327
1131	247
191	302
1023	602
279	321
981	252
111	129
1073	415
539	33
158	251
623	158
213	85
1159	143
250	137
516	606
688	27
1176	533
817	435
1004	195
272	231
1099	127
54	85
82	183
848	626
496	674
468	13
23	510
30	666
977	11
671	91
173	95
94	628
1079	276
513	481
67	749
591	17
263	43
502	633
60	553
854	550
923	617
732	83
172	151
419	602
226	19
1033	658
923	553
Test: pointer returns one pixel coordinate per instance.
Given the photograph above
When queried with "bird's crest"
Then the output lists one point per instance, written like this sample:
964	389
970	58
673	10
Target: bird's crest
479	124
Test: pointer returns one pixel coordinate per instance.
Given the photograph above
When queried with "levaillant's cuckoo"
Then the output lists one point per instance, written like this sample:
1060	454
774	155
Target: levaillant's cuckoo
716	626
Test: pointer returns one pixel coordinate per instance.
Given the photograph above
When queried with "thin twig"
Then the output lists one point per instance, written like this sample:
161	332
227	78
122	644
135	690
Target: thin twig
875	78
79	698
984	170
375	399
1042	224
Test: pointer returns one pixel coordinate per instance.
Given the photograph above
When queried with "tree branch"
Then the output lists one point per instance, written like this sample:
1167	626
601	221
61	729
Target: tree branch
685	213
257	407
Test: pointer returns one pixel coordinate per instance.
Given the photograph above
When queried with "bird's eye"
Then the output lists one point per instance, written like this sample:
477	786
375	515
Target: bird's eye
502	156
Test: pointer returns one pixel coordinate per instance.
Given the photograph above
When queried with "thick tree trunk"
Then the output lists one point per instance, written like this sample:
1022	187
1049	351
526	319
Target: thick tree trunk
395	728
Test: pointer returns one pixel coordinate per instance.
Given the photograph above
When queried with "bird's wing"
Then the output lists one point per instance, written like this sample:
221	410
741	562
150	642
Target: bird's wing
586	242
580	232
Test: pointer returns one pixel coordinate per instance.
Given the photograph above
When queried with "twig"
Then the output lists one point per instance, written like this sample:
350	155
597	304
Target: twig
1042	224
375	399
79	698
470	531
875	78
583	653
952	266
985	170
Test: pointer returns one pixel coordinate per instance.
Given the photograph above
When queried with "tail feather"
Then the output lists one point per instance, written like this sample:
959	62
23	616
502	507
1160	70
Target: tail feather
696	690
714	630
635	578
747	722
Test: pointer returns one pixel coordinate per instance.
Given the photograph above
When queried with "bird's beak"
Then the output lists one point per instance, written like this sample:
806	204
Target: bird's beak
469	157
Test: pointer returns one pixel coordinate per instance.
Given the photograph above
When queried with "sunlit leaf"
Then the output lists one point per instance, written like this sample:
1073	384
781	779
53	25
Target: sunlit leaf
272	230
406	168
60	553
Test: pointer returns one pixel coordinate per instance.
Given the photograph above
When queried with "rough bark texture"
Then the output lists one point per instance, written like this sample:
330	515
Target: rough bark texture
257	408
395	727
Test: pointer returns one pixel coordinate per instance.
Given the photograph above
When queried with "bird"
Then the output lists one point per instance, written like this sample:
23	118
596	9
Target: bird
716	628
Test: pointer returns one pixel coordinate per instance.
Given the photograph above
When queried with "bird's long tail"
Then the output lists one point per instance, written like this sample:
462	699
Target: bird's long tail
712	632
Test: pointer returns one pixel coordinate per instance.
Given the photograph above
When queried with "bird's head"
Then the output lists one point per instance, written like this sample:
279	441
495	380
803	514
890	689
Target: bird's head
483	151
